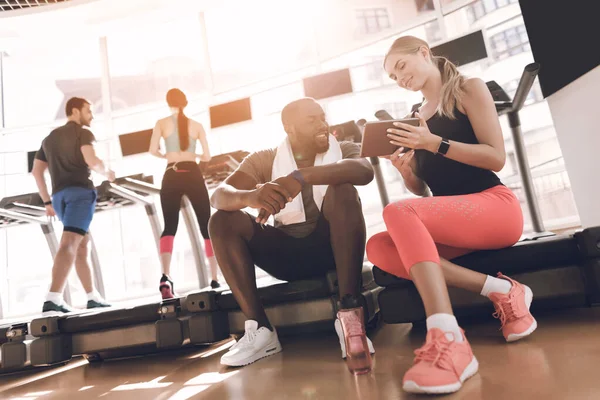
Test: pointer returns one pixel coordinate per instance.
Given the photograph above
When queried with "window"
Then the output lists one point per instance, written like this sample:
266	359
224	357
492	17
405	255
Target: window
510	42
433	32
372	20
424	5
40	75
534	95
477	10
2	54
398	109
267	44
146	62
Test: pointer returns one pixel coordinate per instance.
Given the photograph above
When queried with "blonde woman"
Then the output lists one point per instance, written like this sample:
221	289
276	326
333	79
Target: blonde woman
455	153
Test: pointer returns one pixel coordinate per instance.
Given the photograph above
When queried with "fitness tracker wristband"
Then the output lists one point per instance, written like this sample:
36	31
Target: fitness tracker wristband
444	146
297	175
48	203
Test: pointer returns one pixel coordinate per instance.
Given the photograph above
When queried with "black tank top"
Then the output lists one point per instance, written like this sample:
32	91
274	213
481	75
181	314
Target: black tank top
446	177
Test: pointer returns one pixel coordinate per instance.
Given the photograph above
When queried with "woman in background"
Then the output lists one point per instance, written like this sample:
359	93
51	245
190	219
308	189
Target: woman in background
182	177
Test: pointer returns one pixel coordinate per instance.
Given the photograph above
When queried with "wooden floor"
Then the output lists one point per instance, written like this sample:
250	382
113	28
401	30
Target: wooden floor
561	360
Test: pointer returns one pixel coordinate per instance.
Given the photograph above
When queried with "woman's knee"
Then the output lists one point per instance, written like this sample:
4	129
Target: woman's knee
382	252
377	245
399	210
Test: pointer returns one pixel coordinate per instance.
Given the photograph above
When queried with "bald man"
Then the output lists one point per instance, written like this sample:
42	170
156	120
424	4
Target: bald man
307	185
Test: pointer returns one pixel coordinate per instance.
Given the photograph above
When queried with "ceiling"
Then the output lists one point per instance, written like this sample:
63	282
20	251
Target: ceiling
12	5
57	19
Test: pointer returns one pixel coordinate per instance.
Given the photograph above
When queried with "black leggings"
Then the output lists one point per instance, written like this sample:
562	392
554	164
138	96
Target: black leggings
183	178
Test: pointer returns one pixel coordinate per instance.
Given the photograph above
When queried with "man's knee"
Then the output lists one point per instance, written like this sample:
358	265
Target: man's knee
342	200
344	194
70	242
226	223
83	248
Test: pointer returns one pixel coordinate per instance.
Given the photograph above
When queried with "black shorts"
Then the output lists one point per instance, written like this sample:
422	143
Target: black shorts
291	259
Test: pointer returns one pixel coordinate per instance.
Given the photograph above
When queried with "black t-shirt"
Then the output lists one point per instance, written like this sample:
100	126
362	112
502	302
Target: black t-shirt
61	149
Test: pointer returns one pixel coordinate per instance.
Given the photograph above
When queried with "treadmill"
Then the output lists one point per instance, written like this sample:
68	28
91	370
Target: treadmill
561	270
305	306
144	187
121	332
14	337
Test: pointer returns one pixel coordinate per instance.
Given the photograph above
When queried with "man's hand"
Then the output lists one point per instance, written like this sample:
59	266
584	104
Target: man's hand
291	185
270	198
50	211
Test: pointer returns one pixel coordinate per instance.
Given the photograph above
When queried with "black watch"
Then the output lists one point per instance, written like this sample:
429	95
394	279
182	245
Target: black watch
444	146
48	203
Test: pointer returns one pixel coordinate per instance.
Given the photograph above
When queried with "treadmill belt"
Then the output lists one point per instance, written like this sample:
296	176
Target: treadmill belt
106	319
282	292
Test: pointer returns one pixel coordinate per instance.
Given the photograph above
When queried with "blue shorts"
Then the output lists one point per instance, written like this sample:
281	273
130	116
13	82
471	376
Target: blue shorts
75	208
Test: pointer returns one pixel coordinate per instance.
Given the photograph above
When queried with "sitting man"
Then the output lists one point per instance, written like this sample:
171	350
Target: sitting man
320	230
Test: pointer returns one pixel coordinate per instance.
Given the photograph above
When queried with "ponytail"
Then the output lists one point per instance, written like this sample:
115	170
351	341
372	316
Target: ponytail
183	129
452	87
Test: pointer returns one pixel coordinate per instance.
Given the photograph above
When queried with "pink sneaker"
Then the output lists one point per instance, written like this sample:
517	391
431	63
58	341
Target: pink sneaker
358	356
441	365
513	310
166	288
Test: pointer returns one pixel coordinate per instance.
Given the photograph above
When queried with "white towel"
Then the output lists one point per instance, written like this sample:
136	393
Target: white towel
285	163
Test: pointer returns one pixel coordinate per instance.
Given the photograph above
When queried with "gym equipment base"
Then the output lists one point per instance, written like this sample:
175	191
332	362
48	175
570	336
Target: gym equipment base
117	333
562	271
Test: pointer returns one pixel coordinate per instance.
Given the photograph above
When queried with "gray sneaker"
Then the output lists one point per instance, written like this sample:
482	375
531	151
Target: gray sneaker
96	304
50	306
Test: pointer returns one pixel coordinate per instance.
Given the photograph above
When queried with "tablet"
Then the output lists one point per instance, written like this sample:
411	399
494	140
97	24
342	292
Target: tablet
375	142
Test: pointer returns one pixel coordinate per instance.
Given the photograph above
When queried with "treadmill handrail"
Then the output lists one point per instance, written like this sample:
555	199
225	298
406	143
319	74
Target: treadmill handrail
23	217
127	194
141	186
27	208
383	115
525	83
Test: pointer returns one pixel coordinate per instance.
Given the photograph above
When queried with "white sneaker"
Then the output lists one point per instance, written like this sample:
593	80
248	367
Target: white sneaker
254	345
340	333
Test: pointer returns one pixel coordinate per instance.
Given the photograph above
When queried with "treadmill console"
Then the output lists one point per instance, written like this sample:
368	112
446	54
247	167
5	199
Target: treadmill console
221	166
108	199
498	94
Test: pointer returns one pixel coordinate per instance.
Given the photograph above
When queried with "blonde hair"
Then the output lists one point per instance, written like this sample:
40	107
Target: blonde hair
452	81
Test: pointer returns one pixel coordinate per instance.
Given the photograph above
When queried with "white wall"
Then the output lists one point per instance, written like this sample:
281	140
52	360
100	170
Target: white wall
576	118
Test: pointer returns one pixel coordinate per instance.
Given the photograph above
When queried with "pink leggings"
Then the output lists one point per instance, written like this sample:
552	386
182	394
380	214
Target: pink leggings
425	229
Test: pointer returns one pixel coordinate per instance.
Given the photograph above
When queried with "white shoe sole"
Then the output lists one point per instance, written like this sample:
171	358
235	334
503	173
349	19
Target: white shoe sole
53	313
513	337
413	387
269	350
340	333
